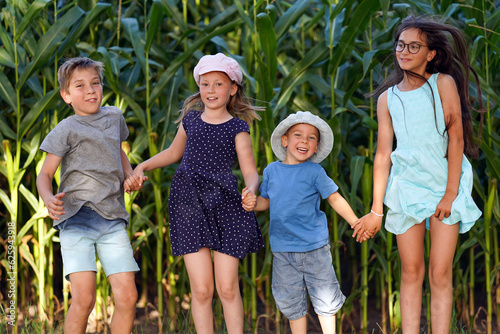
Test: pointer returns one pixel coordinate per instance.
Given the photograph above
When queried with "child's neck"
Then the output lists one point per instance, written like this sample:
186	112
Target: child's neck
410	82
215	116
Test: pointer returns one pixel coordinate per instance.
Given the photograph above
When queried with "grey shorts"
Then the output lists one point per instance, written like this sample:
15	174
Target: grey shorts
296	274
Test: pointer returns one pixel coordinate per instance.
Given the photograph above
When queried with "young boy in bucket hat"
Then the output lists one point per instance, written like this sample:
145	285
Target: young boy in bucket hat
291	189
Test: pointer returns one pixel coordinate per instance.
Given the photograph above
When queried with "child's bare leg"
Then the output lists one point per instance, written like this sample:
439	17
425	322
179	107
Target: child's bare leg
226	281
83	286
411	251
327	324
299	326
125	296
443	244
200	272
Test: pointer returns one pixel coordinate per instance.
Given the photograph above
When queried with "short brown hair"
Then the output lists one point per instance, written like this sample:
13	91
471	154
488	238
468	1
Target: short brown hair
66	70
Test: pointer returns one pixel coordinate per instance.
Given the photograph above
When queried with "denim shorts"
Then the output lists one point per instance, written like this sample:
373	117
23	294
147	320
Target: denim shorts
86	233
294	273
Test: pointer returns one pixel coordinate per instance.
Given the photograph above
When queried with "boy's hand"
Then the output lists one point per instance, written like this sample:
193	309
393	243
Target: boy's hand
248	199
55	206
134	181
367	227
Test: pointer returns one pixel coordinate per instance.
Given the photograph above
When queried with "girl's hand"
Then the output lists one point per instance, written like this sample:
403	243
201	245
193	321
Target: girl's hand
134	181
443	210
360	231
248	199
55	206
370	224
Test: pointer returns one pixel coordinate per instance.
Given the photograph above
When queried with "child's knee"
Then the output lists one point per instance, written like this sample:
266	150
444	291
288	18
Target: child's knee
83	303
202	293
228	291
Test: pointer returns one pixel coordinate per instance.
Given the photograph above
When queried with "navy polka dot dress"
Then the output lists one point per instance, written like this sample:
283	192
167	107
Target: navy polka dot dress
205	205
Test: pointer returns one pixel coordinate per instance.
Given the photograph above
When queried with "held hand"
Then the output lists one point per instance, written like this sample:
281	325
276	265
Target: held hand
248	199
134	181
367	227
360	231
55	206
443	210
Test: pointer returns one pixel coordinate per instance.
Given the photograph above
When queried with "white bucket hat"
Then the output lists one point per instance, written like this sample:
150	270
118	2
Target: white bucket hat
325	135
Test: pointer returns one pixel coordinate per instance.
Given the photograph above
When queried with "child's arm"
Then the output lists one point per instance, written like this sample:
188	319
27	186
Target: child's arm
253	203
243	144
162	159
340	205
133	184
381	168
53	203
453	119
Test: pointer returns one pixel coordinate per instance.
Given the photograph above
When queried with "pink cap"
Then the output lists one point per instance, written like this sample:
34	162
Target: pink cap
218	63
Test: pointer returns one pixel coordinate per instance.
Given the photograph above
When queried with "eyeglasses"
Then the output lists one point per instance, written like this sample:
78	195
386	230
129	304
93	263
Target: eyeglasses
412	47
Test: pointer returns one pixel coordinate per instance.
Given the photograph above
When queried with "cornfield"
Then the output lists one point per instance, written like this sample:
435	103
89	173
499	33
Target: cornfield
316	55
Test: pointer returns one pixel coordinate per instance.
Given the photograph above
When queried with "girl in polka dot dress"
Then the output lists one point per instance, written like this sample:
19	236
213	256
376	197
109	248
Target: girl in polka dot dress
205	211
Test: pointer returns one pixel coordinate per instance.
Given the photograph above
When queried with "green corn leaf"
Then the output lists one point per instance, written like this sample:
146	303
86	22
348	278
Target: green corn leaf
82	27
131	27
182	58
155	19
25	253
29	17
267	38
244	15
6	202
360	19
6	130
176	15
356	169
32	200
48	43
300	73
41	213
7	92
291	16
48	100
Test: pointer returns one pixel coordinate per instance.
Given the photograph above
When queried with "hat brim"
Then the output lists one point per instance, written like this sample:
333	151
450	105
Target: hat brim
325	144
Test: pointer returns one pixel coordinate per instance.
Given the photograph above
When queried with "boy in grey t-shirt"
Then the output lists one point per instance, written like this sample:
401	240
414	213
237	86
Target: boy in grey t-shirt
89	209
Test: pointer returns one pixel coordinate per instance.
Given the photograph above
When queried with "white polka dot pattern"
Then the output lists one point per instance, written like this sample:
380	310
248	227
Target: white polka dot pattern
205	205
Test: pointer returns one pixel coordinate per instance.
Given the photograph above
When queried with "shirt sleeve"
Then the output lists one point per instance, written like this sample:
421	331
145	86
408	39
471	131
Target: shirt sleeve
325	184
56	141
123	128
264	186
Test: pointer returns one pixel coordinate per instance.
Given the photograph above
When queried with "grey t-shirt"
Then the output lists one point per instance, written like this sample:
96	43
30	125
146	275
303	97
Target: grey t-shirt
91	168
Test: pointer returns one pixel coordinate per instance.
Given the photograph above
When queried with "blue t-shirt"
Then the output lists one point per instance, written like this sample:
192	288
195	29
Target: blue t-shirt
294	193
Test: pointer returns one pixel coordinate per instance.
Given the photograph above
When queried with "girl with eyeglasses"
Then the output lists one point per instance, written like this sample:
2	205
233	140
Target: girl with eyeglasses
426	182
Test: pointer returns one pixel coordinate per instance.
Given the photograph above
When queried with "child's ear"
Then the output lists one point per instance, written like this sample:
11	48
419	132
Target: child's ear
234	89
66	96
284	141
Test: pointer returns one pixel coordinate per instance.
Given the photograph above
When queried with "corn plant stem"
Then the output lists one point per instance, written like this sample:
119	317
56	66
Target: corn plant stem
488	212
14	167
253	289
50	281
497	265
472	283
41	269
389	279
426	279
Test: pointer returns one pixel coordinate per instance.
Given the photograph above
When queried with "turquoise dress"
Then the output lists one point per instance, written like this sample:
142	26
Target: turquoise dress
419	171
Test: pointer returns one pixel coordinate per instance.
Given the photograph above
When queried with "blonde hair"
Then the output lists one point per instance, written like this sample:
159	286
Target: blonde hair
239	106
66	70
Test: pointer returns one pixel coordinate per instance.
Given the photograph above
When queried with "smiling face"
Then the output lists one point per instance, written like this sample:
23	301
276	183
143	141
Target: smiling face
415	62
301	142
216	90
84	92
